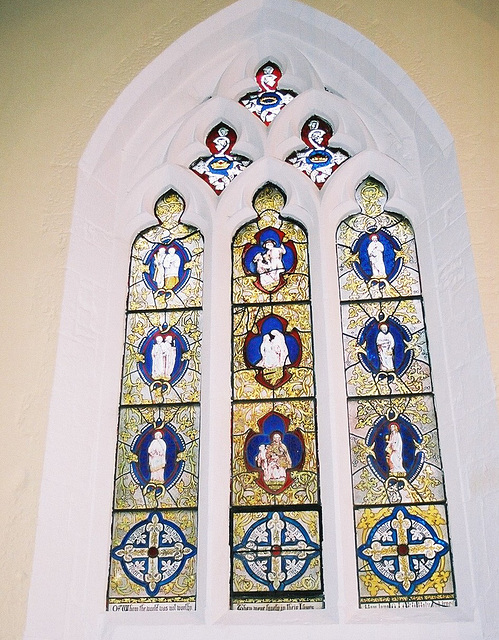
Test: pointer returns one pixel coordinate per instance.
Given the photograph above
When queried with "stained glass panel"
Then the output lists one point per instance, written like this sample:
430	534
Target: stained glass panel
290	475
276	550
317	160
153	561
395	451
154	538
272	352
403	545
162	357
220	167
268	101
139	485
404	556
385	347
376	251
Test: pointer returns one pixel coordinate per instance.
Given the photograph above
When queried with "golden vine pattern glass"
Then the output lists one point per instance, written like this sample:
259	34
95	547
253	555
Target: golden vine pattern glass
400	510
275	502
154	528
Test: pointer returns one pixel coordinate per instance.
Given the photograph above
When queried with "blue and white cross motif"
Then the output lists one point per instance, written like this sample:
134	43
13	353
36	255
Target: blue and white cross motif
403	550
153	553
276	551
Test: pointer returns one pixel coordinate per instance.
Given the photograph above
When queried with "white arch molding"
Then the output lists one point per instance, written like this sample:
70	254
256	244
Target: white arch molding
141	149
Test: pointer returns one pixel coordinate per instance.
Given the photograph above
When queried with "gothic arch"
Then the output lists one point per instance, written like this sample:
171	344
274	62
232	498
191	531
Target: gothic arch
121	174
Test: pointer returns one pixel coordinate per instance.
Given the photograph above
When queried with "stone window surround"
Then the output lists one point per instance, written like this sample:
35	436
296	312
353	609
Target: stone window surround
138	152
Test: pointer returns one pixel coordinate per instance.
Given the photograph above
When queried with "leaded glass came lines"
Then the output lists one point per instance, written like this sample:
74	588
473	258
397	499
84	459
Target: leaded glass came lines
276	528
154	531
403	545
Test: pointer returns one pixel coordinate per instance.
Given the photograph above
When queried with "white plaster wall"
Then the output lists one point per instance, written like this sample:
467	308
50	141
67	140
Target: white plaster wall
400	140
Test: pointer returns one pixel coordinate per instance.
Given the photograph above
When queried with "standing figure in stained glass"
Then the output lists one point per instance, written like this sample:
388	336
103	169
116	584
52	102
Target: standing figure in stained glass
163	354
317	161
269	100
157	458
394	451
375	250
159	267
385	347
385	344
274	350
219	169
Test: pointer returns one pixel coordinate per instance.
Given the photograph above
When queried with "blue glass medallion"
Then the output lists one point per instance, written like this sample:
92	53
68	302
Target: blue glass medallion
403	550
276	551
153	552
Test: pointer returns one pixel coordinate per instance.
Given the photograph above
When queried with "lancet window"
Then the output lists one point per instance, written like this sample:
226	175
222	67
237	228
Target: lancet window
154	530
275	515
403	547
402	539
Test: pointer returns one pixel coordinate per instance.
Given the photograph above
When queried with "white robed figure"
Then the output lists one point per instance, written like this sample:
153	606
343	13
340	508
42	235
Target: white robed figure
157	458
274	460
375	251
278	460
385	344
274	351
268	79
316	135
261	459
269	265
159	268
169	356
163	354
394	450
171	268
158	367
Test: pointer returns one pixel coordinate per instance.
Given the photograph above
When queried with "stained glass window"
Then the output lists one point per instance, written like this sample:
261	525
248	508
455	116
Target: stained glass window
403	547
275	505
317	160
221	166
268	101
154	529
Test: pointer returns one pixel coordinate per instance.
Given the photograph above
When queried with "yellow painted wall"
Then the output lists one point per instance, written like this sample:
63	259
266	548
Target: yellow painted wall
63	65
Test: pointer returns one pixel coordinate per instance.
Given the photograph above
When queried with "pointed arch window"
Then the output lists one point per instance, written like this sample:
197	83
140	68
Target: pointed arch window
144	147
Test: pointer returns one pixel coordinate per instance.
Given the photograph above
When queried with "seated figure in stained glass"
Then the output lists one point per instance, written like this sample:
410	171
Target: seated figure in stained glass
274	452
269	259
